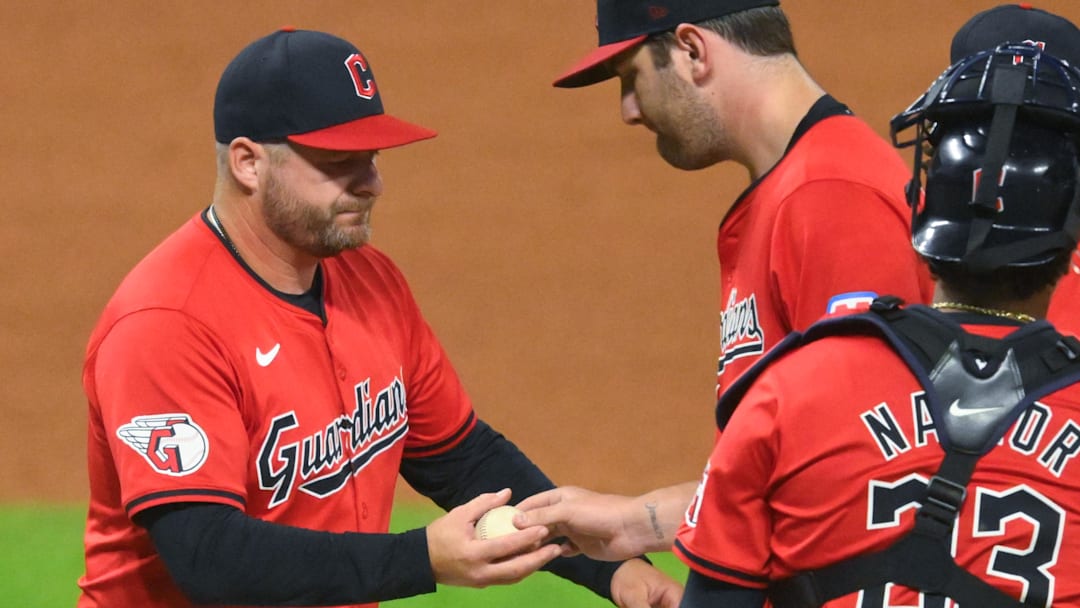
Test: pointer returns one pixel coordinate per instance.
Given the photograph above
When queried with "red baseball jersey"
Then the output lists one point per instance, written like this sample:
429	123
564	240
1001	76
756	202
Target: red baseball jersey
206	386
826	229
829	451
1064	310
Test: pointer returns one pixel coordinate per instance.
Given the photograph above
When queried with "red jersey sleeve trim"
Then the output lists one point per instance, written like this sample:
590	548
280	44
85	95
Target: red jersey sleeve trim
186	495
445	444
711	570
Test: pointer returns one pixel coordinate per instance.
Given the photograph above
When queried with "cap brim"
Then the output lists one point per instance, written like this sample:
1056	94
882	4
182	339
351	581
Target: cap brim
376	132
593	69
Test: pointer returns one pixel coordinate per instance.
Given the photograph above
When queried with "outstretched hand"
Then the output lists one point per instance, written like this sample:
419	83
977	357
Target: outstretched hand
458	558
601	526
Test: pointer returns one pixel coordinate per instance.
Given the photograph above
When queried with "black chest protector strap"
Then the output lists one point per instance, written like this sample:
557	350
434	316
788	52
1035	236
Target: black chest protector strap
975	388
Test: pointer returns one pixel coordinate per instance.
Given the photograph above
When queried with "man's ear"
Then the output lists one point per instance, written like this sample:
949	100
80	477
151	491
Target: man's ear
691	40
246	160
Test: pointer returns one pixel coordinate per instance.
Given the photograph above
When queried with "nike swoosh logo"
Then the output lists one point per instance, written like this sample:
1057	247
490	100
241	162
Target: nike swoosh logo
264	359
960	412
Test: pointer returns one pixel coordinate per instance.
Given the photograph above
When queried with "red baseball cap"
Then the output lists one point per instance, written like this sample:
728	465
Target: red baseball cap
307	87
623	24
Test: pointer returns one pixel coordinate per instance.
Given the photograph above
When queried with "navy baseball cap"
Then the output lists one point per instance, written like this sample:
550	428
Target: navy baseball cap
623	24
307	87
1019	24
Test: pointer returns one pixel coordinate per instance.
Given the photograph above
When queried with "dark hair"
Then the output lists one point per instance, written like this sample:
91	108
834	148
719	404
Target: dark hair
1005	284
762	31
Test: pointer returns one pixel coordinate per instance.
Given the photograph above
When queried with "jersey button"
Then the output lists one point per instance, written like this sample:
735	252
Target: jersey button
341	373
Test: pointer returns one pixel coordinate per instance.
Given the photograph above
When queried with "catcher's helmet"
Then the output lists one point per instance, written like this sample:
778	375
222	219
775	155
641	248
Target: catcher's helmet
1002	130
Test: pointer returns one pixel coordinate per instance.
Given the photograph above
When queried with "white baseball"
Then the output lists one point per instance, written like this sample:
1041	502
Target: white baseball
497	522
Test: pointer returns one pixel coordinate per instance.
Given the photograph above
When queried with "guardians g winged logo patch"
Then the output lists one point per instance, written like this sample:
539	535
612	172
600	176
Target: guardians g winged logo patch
172	443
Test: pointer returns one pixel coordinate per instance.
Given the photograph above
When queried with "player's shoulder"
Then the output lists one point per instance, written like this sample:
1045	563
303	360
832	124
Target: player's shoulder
829	362
837	161
845	343
817	380
842	129
165	281
165	277
1069	394
1062	311
845	148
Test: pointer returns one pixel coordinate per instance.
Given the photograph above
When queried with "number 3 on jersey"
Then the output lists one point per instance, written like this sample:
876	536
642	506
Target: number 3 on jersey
1027	563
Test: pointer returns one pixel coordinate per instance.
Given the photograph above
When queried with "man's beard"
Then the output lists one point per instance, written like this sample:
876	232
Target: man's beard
310	228
688	134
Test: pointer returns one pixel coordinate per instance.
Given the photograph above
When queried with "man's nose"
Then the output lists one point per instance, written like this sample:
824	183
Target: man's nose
631	112
367	181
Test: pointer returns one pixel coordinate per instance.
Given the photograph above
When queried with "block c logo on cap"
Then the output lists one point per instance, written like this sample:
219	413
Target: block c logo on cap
357	66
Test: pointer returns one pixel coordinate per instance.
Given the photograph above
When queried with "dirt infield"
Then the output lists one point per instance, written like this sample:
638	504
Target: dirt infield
569	272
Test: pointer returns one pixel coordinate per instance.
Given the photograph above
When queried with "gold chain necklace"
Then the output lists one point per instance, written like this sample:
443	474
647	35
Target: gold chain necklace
993	312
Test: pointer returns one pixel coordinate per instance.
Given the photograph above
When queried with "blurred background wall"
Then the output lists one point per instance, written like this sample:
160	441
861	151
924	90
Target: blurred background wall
569	271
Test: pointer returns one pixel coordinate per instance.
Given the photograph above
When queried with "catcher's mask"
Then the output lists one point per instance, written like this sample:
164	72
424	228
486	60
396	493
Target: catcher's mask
1001	129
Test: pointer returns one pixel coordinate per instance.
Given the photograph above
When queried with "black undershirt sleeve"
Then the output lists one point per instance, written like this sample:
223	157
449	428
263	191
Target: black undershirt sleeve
218	555
704	592
485	461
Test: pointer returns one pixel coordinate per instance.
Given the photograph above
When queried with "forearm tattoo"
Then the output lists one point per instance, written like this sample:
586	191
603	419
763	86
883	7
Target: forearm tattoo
657	529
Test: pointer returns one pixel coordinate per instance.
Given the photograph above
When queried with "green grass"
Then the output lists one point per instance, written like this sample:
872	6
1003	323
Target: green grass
41	559
40	555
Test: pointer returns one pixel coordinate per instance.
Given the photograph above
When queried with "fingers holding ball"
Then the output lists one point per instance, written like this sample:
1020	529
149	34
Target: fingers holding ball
497	522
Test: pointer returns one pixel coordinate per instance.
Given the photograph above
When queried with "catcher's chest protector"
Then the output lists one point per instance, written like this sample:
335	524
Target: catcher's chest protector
999	378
